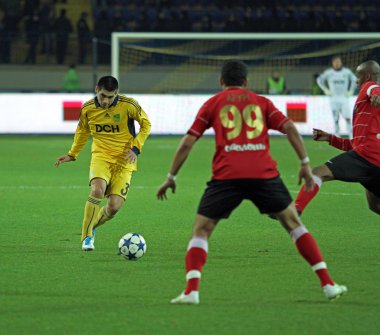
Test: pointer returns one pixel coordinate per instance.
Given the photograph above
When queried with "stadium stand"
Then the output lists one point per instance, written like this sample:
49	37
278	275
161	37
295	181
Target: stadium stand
172	16
28	33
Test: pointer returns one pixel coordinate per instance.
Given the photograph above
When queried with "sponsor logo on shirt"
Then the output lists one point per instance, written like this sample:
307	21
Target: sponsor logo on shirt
99	128
245	147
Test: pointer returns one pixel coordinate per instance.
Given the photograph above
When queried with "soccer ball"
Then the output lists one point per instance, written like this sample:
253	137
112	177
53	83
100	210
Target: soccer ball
132	246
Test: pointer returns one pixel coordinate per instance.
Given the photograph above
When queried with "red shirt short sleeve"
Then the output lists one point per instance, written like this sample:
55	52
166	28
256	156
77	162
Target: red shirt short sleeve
201	122
275	119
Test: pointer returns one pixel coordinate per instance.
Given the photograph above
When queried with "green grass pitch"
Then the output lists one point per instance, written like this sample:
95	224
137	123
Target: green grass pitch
254	282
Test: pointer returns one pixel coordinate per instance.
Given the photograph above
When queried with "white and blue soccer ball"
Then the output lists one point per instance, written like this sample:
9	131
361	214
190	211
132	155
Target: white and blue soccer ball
132	246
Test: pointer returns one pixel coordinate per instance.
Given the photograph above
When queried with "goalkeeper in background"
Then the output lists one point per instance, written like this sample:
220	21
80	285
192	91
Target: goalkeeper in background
109	119
339	83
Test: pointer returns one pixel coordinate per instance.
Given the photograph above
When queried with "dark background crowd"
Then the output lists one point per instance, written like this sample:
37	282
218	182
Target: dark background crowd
47	31
240	15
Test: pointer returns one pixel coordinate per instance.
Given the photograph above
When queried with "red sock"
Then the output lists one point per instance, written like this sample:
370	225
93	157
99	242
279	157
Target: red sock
304	197
309	250
195	259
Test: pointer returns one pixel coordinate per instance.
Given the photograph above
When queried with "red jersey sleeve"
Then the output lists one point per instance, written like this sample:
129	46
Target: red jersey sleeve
201	122
275	119
340	143
372	88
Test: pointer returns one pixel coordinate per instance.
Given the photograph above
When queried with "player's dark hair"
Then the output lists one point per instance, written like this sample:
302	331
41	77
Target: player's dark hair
234	73
109	83
335	57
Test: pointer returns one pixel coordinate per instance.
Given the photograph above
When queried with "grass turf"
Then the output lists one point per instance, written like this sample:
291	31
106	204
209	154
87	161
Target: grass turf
254	282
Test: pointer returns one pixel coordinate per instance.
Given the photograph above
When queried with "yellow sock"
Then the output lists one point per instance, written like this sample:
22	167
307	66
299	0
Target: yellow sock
91	211
103	217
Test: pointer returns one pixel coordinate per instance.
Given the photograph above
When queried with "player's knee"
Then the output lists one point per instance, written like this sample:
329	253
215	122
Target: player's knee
317	171
97	193
289	218
323	172
204	228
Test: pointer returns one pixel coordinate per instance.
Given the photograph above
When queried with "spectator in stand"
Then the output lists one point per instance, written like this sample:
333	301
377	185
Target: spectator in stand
118	23
32	31
183	23
46	26
8	30
84	37
102	31
30	7
63	28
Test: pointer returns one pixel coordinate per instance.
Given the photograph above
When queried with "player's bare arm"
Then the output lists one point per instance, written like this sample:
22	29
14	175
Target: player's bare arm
296	141
180	157
320	135
64	159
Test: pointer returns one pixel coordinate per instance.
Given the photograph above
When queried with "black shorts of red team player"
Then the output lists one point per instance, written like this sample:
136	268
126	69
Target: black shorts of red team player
221	197
351	167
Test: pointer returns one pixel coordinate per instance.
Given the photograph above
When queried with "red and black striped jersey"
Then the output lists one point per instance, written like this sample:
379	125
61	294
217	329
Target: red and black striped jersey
366	126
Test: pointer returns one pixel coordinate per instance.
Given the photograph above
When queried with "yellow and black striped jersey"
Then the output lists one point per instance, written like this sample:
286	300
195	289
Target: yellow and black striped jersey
112	129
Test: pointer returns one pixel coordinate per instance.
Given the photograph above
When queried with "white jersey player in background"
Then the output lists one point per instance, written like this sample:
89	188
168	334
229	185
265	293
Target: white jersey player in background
339	83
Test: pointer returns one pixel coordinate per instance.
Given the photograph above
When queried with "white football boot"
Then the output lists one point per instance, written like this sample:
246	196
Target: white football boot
334	291
191	299
88	244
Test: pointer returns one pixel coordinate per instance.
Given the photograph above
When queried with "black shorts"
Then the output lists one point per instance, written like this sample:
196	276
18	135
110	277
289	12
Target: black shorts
353	168
221	197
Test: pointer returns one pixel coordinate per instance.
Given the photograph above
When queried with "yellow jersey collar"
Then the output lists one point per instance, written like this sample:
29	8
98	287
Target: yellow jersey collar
97	104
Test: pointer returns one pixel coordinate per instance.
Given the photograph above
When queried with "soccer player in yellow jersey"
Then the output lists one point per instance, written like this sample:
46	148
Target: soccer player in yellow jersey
109	119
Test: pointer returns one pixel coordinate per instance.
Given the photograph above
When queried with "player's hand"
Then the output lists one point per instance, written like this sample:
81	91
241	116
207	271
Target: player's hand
161	193
130	156
328	92
306	174
320	135
63	159
375	101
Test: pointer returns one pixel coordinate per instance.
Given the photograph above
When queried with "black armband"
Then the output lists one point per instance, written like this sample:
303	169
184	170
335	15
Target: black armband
136	150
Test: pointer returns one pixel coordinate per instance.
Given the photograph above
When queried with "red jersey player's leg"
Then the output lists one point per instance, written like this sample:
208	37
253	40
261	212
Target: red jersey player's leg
321	174
304	197
196	257
373	201
309	250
